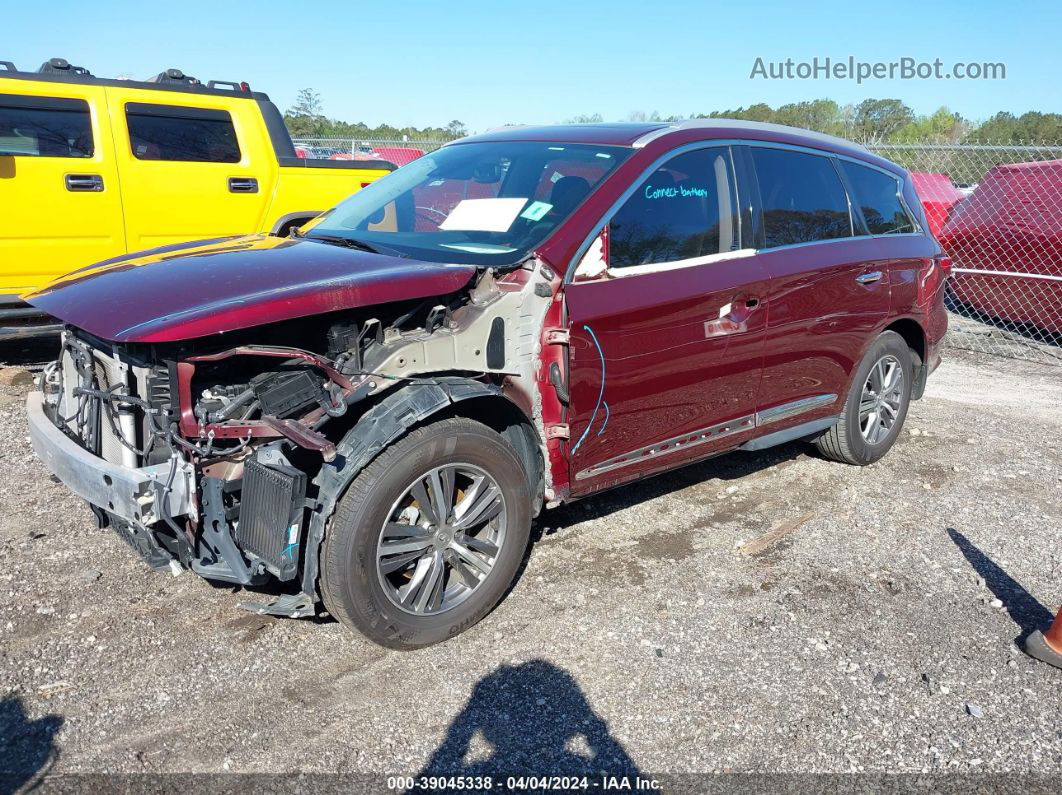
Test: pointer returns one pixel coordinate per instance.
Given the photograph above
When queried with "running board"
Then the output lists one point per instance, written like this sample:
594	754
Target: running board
789	434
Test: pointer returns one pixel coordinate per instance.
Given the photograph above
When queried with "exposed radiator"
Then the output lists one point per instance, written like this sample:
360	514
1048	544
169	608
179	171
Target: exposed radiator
271	506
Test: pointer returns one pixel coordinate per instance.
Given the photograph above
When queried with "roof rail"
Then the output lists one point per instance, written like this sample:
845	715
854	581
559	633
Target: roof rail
60	66
174	76
241	86
10	67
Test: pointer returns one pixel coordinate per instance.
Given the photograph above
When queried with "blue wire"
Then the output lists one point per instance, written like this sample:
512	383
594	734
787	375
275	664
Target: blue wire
606	419
600	395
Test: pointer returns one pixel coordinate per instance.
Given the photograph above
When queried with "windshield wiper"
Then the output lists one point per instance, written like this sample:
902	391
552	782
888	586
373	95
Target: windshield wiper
349	242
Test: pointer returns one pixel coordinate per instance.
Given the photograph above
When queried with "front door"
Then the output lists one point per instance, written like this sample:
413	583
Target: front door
59	192
667	317
188	173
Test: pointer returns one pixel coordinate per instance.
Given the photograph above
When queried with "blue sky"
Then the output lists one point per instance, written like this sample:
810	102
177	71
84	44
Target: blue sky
490	63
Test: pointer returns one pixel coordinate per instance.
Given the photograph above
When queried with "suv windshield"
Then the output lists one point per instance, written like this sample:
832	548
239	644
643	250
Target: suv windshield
478	203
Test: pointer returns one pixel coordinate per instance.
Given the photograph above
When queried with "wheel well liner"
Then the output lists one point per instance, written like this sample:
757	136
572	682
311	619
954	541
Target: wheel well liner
394	416
915	338
286	220
912	334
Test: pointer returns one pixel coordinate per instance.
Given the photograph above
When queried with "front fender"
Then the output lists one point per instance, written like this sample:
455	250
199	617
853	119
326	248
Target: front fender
381	425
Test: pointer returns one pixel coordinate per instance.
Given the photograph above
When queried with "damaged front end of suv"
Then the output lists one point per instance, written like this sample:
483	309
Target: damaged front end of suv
213	403
225	454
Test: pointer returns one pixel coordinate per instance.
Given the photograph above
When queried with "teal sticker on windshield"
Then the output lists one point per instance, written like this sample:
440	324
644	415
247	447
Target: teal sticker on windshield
536	210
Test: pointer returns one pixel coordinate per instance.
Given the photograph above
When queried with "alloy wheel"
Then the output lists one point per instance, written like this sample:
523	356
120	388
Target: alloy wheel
441	539
879	405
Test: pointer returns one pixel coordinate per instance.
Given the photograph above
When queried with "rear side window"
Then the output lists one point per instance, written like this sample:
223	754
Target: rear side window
165	132
802	197
878	195
685	209
44	127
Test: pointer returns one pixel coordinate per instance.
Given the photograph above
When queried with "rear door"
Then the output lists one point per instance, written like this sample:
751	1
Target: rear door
193	166
59	193
666	343
829	284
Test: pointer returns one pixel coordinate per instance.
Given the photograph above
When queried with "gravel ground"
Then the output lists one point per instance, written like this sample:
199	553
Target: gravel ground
758	612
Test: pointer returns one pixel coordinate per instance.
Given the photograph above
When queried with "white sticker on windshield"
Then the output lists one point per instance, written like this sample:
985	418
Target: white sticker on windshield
483	215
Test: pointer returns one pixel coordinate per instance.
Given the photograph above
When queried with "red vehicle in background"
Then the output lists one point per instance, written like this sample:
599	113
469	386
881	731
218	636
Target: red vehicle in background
1005	242
938	195
398	155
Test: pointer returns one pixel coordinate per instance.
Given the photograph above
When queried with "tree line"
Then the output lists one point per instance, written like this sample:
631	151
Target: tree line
870	121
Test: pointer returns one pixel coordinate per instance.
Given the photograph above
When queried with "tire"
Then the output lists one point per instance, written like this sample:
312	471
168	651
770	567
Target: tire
382	498
846	441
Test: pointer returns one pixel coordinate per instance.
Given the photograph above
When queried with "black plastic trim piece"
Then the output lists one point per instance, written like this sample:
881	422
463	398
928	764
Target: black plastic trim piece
287	218
43	103
921	378
313	162
496	344
177	112
278	132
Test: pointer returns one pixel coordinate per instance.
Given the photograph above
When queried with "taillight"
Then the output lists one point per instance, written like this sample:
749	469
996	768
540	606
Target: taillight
945	265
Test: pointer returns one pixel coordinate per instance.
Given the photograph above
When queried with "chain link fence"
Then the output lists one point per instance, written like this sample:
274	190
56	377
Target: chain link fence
997	211
369	148
995	208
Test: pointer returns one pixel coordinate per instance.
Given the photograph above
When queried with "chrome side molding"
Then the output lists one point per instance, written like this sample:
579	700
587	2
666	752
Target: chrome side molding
709	434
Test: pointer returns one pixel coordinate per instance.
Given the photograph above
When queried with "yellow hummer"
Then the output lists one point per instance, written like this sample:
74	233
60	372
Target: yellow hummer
94	168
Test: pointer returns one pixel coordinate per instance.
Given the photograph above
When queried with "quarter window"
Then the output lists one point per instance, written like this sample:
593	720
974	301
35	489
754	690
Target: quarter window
44	127
163	132
802	197
878	196
685	209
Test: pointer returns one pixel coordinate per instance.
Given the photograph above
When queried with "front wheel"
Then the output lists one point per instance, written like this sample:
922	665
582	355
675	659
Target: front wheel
876	405
428	537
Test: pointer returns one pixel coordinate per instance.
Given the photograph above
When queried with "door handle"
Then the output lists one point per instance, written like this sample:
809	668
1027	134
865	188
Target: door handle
869	278
85	183
243	185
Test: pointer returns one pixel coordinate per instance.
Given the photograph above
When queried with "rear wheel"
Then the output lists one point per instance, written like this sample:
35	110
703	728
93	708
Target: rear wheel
876	406
428	537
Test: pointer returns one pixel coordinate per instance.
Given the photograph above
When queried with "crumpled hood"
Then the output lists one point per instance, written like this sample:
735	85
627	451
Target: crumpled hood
180	292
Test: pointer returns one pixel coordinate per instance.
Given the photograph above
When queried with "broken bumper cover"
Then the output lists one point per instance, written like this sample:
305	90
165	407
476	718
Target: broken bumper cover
142	495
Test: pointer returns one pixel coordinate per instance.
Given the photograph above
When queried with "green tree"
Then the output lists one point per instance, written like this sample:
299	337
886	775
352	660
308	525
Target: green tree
941	126
306	118
593	118
877	119
1030	127
822	115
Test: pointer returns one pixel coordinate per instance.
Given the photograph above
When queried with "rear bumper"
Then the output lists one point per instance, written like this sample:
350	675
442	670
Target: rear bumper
141	495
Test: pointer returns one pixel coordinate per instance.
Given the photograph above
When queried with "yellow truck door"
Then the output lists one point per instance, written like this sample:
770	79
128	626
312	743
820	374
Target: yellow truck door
192	167
59	192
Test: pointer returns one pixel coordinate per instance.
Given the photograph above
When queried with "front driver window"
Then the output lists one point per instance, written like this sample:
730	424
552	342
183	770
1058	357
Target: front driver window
684	210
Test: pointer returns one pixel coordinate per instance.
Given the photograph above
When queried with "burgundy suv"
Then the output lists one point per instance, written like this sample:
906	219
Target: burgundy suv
372	411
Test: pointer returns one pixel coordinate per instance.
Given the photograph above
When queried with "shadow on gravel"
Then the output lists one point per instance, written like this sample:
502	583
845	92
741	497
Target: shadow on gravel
1022	606
727	466
27	747
530	719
